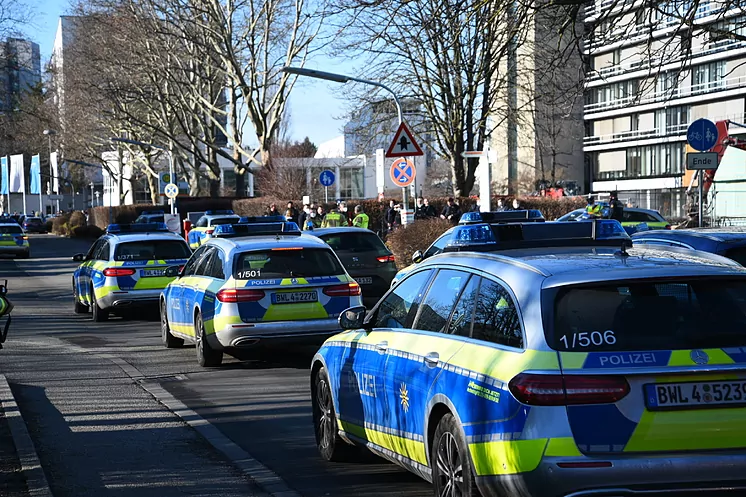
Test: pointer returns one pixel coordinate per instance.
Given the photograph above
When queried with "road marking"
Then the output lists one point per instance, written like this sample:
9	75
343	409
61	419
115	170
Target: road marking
36	480
269	481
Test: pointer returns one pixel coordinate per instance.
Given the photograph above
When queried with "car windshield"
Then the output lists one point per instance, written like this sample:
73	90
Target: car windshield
659	315
356	242
286	263
10	230
32	220
147	250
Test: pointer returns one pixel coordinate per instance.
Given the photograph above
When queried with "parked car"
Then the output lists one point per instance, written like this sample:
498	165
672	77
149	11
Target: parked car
34	225
728	242
364	256
631	218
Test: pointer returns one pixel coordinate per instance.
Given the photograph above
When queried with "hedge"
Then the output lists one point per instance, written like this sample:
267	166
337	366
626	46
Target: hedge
64	225
404	242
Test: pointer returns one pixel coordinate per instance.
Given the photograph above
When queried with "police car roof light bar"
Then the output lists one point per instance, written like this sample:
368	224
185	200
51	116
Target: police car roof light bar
502	217
258	229
487	237
219	212
261	219
136	228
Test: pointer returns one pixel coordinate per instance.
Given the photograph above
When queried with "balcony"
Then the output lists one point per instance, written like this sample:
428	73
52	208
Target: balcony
668	95
656	62
614	7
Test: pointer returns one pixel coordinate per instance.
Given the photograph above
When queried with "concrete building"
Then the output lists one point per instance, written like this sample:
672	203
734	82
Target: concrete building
20	71
650	77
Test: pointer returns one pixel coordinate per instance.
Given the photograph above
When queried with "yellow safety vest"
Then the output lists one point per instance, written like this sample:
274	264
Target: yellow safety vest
332	220
361	221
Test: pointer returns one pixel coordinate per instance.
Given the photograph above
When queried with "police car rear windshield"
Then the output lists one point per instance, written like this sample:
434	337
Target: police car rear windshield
148	250
660	315
151	219
224	220
284	263
10	230
356	242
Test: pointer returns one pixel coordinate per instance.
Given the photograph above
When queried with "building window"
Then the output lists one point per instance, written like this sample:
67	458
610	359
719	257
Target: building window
351	182
672	120
644	162
706	77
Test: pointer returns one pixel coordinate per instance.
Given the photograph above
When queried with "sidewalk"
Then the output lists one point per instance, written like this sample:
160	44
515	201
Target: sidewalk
12	480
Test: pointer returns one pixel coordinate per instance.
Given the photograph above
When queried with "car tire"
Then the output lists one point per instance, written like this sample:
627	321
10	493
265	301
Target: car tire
207	357
169	341
329	443
78	306
99	315
450	461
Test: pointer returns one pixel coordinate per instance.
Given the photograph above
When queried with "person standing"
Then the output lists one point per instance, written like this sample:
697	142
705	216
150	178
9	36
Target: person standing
500	205
592	209
304	215
516	204
333	219
291	214
361	219
477	205
420	210
272	210
451	212
429	209
390	216
616	208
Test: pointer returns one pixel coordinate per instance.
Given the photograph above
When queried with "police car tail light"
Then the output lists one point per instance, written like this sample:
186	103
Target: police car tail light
234	295
386	258
558	390
210	231
347	290
113	272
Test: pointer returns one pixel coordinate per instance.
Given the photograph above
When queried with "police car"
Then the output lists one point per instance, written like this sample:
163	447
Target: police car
150	217
205	226
253	286
13	240
529	360
126	268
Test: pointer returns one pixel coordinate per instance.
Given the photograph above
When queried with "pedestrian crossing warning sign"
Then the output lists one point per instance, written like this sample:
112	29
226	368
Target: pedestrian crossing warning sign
403	144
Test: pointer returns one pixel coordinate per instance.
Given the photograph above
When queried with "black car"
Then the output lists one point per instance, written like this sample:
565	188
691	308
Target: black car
364	256
34	225
728	242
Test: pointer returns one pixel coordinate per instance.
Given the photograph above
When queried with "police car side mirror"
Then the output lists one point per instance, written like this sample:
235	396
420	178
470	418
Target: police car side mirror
352	318
79	257
417	257
173	271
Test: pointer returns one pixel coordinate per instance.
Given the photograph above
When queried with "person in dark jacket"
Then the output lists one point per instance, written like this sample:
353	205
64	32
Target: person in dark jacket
616	208
420	210
429	209
451	212
389	216
291	214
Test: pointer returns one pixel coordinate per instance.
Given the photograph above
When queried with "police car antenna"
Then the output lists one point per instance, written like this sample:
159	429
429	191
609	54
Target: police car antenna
625	245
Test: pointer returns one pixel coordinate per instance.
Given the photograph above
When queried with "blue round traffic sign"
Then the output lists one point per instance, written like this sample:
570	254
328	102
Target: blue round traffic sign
403	172
326	178
702	135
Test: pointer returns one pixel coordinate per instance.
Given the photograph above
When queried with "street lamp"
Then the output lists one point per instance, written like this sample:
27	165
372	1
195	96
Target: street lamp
341	78
159	147
52	177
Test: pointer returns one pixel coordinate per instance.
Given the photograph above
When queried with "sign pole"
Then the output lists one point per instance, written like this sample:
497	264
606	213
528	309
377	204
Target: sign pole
326	194
701	188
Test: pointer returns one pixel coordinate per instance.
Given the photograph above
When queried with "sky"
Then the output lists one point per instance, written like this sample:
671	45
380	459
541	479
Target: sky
315	110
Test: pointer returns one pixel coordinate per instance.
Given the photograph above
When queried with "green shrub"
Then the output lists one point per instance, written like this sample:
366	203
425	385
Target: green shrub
77	219
60	225
87	232
419	235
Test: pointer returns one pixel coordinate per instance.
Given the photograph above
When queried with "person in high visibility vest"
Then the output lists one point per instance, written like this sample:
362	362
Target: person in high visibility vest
333	219
361	218
593	209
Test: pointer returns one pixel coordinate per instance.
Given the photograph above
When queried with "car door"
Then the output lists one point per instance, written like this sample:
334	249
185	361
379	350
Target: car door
83	273
416	358
97	266
195	286
214	278
363	398
182	321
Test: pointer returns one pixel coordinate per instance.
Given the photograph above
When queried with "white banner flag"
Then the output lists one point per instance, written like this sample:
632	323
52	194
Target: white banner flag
17	178
56	179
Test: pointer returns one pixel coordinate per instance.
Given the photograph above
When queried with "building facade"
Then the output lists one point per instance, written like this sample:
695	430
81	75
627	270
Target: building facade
20	71
650	76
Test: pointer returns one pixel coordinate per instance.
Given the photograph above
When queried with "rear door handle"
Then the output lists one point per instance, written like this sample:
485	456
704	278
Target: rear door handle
382	346
432	359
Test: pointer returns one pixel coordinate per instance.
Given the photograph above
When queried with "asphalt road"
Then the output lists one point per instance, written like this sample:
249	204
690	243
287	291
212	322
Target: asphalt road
99	432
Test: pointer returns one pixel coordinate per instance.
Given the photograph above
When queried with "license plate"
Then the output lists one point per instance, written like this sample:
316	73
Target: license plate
152	272
364	280
661	396
294	297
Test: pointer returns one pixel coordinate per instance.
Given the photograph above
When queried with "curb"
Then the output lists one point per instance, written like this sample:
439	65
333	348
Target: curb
36	480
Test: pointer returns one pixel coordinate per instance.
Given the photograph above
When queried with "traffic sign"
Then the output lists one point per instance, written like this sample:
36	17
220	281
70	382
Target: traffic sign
473	154
403	172
326	178
403	144
702	160
702	135
171	190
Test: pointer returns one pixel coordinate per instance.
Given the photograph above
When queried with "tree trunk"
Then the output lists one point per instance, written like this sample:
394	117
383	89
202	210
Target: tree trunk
240	170
193	183
153	185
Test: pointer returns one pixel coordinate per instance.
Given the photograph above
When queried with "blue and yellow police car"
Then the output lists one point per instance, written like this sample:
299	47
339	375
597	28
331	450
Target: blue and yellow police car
13	240
530	360
255	286
205	226
126	268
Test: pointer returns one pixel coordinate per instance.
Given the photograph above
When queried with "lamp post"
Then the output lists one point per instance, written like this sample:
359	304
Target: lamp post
52	176
159	147
341	78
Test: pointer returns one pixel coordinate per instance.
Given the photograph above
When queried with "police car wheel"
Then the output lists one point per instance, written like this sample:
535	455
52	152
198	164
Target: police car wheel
99	314
169	341
206	356
453	473
330	444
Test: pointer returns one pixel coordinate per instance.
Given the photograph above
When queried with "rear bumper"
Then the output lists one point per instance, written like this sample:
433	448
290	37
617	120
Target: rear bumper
122	299
246	335
14	250
703	474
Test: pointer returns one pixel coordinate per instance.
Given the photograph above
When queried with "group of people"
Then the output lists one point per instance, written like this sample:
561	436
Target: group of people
313	216
615	209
